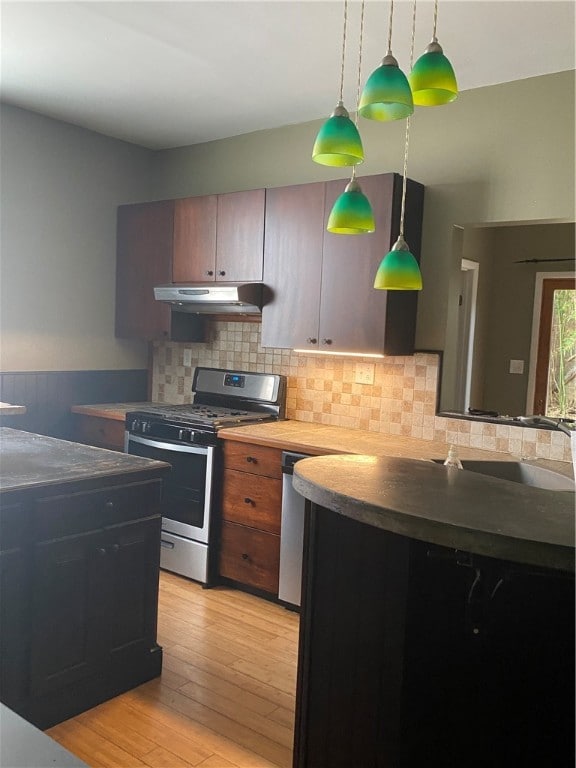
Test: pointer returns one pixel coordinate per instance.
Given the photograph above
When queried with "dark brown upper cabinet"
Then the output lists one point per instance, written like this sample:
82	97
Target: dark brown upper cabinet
219	238
145	243
322	284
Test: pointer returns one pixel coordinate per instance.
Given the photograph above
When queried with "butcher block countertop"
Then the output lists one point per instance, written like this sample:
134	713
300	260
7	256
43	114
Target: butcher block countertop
115	411
320	440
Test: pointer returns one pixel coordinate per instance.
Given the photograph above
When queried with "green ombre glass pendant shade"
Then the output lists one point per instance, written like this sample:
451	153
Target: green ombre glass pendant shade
398	270
387	94
338	142
432	79
351	214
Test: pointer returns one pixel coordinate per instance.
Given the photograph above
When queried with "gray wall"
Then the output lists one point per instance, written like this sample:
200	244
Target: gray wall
60	187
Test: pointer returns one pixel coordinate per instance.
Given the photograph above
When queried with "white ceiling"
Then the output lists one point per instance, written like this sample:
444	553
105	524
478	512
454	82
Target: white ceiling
168	74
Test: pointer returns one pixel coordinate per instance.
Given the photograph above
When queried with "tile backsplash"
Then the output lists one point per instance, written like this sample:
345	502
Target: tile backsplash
325	389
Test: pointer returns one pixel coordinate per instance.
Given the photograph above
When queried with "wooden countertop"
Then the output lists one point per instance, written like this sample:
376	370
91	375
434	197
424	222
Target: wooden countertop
460	510
6	409
116	411
28	460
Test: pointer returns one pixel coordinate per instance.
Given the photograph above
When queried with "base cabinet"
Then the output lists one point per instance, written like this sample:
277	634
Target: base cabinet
79	600
412	654
251	512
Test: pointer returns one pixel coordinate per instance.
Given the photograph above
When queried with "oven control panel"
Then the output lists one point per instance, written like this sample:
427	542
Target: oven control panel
234	380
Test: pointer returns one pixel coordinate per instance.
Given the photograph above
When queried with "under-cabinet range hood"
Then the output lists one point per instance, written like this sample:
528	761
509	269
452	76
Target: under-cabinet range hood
213	298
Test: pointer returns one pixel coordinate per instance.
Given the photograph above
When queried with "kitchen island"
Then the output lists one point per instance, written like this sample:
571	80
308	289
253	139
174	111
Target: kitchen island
437	623
79	556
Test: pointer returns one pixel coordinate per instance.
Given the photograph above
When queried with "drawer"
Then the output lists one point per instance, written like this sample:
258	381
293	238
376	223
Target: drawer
252	500
250	557
60	516
98	431
256	459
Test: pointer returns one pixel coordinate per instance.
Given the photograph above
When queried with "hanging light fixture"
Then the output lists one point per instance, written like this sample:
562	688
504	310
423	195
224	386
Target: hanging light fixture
432	78
387	94
338	142
399	270
352	213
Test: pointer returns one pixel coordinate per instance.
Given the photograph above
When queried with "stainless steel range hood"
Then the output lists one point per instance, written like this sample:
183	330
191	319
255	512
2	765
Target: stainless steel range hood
213	298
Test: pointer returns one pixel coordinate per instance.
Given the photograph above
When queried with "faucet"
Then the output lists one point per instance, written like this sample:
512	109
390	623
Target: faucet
564	425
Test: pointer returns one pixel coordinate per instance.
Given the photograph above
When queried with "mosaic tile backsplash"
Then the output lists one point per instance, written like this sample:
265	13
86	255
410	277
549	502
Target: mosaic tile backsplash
324	389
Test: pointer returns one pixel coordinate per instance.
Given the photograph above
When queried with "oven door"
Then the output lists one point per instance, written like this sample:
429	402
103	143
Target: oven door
187	490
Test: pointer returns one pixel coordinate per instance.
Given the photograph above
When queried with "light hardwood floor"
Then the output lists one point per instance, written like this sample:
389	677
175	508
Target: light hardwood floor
225	697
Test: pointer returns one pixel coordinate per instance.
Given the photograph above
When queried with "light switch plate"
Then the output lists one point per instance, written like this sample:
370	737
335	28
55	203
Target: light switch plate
516	366
364	373
187	358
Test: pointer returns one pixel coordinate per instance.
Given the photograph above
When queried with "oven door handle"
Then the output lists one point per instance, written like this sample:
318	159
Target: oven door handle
176	447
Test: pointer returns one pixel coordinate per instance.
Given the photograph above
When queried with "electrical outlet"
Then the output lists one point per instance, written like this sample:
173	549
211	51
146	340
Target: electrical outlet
364	373
516	366
187	358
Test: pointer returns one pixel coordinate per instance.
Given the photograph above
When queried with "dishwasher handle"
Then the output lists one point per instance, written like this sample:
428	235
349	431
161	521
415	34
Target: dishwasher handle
289	459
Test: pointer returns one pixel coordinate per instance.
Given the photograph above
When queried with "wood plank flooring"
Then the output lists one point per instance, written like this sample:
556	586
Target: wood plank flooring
225	698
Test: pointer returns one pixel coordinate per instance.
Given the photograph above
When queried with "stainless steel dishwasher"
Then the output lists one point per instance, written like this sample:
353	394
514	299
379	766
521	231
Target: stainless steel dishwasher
291	533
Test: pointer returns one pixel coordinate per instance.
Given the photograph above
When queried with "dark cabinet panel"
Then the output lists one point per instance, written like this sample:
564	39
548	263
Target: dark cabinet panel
195	239
293	265
144	259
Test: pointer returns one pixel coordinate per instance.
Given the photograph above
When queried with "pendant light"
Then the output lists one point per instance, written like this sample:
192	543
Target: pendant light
352	213
387	94
399	270
338	142
432	78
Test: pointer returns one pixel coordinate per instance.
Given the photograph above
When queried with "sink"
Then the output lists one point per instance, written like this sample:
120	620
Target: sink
519	472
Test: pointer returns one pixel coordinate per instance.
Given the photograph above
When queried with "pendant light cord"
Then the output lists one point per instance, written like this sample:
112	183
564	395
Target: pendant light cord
407	136
343	52
434	38
389	51
359	83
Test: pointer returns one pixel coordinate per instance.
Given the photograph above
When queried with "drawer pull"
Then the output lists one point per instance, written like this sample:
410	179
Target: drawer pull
251	460
312	340
248	500
210	272
109	505
115	548
245	556
166	544
101	551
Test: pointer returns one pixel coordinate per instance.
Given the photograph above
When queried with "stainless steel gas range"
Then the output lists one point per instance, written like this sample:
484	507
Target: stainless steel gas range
186	436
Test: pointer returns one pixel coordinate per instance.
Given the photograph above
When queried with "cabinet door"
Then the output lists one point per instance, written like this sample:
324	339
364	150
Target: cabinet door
14	621
354	316
252	500
130	577
293	265
250	557
143	260
67	642
195	239
352	312
240	236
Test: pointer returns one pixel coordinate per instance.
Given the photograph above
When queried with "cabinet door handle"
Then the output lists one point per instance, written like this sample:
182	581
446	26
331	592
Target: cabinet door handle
115	548
109	505
245	556
210	272
221	272
312	340
251	460
101	551
248	500
326	341
166	544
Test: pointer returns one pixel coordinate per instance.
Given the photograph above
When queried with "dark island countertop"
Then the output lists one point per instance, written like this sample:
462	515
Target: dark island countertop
453	508
28	460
